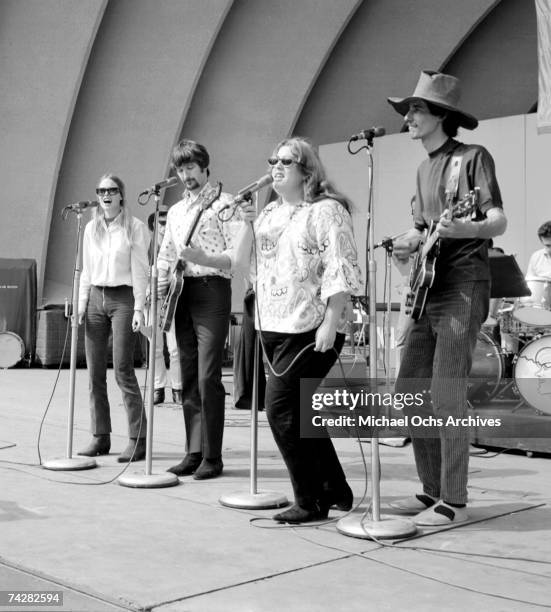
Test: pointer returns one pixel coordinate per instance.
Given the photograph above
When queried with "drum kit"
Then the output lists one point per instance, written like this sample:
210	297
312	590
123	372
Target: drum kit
512	357
12	349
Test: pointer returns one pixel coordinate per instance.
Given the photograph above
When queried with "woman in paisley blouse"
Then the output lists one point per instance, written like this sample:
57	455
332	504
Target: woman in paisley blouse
304	269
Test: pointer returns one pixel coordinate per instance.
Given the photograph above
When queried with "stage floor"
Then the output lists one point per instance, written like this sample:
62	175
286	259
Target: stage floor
109	547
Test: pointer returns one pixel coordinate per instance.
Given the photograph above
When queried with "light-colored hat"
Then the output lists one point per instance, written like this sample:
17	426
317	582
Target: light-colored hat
440	89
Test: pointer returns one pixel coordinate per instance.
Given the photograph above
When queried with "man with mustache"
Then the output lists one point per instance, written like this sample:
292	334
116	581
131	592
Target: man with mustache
203	310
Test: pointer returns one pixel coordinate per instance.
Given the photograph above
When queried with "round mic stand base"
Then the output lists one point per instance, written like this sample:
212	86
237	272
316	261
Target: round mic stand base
261	500
386	528
148	481
70	463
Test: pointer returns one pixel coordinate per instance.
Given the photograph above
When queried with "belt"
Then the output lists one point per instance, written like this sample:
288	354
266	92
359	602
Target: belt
205	279
103	287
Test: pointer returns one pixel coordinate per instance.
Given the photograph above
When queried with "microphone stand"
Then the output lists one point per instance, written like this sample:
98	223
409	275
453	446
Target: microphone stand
374	527
387	325
69	462
148	479
254	499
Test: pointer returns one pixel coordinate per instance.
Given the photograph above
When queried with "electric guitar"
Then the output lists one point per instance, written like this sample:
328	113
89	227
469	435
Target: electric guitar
170	302
422	272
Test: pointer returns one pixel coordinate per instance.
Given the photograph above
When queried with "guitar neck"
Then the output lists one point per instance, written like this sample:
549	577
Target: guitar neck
193	227
459	209
205	201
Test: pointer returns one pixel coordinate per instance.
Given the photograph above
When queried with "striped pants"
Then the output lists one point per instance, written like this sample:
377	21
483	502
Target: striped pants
439	350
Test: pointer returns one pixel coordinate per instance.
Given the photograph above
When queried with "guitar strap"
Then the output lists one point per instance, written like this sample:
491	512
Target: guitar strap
192	229
452	185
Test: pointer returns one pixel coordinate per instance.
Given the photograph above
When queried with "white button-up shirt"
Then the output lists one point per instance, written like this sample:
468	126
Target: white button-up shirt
539	266
212	234
113	262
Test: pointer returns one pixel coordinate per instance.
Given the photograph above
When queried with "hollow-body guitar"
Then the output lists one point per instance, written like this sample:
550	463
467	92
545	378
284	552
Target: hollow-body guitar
170	302
423	268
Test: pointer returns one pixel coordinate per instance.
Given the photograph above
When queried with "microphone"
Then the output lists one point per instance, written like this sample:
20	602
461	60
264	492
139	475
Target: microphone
164	184
77	206
246	192
388	241
368	134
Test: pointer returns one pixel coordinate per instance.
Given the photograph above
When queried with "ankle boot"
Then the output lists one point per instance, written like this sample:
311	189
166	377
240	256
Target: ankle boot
100	445
298	514
135	451
188	465
209	468
341	499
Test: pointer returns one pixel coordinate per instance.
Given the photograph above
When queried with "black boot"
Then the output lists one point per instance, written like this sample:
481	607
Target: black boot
187	466
342	499
209	468
100	445
135	451
298	514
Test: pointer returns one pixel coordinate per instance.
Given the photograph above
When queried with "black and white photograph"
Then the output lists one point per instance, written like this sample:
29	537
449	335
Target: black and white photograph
275	305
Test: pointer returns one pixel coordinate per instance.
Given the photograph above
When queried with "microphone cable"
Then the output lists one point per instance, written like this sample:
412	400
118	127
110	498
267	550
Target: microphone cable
45	413
368	557
279	375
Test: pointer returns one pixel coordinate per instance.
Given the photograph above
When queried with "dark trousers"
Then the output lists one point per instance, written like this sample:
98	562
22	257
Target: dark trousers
439	350
202	318
243	360
313	465
112	309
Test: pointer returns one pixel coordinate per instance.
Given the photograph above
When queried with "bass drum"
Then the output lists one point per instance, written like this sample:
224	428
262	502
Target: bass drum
12	349
487	369
532	373
536	309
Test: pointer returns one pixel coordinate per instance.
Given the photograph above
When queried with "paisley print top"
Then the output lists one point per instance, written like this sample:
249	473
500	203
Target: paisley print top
305	253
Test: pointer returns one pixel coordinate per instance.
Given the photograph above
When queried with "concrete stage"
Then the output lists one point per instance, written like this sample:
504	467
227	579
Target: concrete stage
109	547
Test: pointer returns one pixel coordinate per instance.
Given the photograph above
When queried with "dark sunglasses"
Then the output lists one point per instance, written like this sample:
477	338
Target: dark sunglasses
285	161
101	191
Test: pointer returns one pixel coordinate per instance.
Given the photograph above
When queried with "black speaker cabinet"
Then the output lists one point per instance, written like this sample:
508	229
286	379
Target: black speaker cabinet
18	302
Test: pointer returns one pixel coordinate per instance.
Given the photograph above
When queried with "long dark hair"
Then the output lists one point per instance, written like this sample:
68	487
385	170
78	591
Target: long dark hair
450	123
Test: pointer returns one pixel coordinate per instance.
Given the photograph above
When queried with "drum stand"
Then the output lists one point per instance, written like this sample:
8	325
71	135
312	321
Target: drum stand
70	462
373	526
149	480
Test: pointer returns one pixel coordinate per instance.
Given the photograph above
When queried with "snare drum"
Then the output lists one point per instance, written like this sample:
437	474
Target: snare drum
532	373
535	309
487	369
12	349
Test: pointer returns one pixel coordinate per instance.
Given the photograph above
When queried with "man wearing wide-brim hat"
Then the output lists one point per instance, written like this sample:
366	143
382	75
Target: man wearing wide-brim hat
449	312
